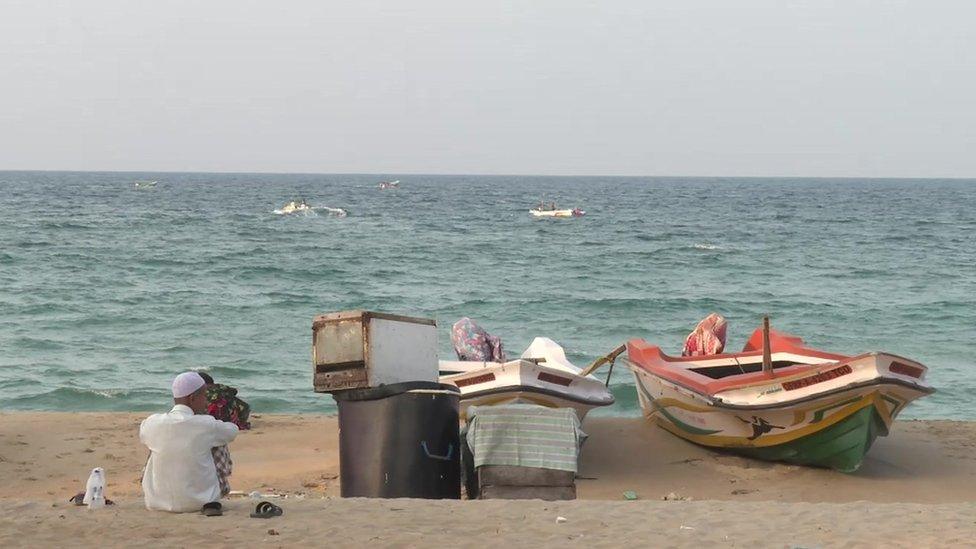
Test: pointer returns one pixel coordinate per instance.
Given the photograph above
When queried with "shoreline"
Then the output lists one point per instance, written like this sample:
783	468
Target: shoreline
916	486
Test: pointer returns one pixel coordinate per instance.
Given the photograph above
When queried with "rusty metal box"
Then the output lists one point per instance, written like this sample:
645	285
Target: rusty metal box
358	349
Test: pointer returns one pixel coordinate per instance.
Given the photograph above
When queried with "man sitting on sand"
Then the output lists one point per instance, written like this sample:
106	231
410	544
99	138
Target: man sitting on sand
180	475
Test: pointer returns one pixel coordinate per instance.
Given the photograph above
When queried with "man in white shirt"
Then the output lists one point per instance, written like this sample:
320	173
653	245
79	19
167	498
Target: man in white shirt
180	475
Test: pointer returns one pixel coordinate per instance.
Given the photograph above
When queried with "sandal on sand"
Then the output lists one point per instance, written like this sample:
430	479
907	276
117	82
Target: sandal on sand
79	499
266	509
212	509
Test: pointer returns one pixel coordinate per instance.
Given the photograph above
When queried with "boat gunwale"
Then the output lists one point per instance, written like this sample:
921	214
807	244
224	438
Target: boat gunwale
539	390
488	365
657	363
719	402
796	350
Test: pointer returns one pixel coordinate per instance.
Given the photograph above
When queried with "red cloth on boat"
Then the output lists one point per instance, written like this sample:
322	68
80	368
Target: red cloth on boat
708	338
472	342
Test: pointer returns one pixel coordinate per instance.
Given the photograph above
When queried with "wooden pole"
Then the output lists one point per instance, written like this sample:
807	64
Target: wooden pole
767	355
609	373
603	360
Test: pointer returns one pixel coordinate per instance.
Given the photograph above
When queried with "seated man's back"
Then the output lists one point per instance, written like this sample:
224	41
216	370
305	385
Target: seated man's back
180	475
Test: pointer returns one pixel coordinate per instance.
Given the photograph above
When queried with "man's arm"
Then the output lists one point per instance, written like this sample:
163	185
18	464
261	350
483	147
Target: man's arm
224	432
142	432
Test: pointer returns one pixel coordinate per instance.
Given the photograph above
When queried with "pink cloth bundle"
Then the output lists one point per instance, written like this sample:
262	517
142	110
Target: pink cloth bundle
708	338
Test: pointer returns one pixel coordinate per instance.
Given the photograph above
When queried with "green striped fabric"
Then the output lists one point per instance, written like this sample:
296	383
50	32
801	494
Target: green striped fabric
524	435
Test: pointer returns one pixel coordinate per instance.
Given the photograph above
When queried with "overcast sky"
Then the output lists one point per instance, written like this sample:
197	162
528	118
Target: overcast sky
711	87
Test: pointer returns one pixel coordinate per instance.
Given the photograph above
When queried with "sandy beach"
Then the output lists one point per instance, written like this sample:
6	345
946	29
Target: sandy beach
916	488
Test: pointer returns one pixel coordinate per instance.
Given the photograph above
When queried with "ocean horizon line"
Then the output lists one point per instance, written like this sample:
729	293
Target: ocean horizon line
532	175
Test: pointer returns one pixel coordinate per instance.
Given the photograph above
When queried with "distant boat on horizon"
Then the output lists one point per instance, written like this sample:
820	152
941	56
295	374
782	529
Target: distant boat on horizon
294	207
550	210
395	184
145	184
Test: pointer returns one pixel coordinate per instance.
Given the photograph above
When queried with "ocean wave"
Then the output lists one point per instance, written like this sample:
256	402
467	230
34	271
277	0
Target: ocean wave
37	344
71	399
33	244
68	225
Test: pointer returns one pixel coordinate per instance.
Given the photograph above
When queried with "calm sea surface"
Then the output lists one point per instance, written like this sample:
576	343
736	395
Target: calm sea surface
107	291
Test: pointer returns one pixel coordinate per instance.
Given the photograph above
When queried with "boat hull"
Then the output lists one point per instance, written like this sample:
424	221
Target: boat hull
556	213
832	428
524	381
841	446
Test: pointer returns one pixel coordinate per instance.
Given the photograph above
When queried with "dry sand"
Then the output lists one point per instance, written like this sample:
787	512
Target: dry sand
916	489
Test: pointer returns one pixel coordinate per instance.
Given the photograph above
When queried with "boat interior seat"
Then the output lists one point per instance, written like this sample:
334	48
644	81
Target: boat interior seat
651	358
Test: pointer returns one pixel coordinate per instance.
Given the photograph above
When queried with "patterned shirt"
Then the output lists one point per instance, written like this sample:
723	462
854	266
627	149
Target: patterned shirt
224	465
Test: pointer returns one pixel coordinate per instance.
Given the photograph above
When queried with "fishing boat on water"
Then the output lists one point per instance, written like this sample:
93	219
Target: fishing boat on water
542	375
550	210
145	184
395	184
294	207
778	399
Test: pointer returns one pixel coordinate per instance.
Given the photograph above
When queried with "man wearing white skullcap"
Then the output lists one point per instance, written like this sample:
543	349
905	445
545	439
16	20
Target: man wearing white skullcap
180	475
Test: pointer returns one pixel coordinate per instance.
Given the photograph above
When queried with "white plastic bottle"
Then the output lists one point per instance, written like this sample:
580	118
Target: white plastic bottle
95	489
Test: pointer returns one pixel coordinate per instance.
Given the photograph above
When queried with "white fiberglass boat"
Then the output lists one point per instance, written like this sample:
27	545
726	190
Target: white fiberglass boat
141	184
542	376
539	212
294	207
390	184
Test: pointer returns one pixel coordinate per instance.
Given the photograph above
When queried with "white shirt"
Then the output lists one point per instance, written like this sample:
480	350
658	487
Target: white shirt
180	475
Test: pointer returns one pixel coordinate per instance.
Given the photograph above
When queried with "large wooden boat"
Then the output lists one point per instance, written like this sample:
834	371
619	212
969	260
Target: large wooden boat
812	408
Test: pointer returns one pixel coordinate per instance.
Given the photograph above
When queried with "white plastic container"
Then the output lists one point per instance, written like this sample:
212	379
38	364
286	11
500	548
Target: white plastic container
95	489
360	349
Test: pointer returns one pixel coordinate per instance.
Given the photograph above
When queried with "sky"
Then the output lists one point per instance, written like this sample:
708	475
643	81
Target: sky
629	87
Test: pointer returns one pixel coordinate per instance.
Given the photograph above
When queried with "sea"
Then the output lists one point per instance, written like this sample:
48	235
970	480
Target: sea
108	290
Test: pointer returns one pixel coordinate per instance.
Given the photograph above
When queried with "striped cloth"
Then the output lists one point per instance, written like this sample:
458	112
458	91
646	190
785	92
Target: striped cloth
524	435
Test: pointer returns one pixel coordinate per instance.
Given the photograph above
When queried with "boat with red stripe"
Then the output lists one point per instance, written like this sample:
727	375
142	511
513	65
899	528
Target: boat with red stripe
543	375
778	399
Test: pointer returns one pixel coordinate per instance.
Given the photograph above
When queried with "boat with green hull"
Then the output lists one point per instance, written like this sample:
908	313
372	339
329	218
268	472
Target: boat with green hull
841	446
806	407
